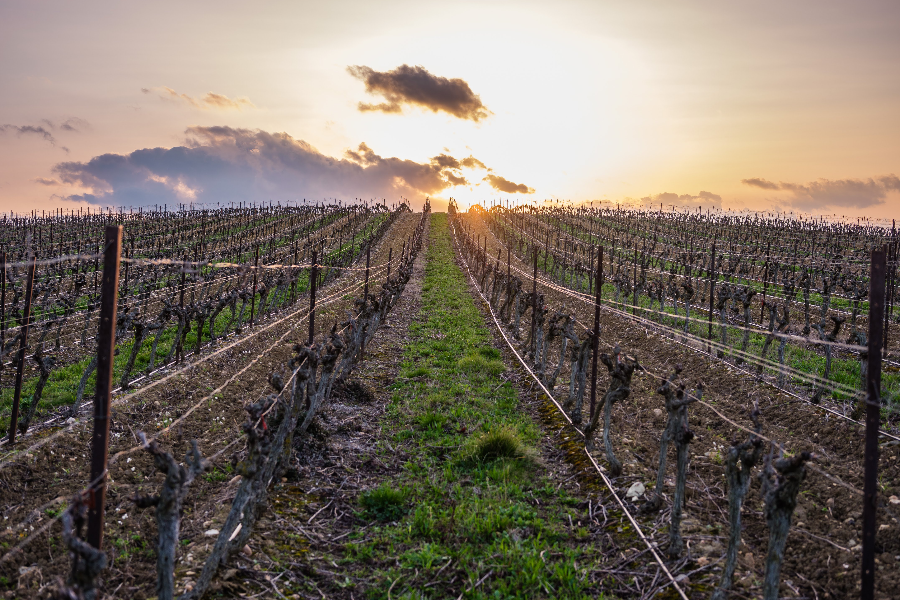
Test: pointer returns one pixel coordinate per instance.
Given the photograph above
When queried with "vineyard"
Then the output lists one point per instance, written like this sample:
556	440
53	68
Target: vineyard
578	402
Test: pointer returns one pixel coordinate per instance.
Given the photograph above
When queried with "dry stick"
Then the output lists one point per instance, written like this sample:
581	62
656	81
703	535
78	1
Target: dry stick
676	432
780	486
45	364
87	561
739	463
620	373
169	507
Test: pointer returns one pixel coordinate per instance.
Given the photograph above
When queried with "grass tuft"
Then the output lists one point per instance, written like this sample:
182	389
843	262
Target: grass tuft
498	444
384	503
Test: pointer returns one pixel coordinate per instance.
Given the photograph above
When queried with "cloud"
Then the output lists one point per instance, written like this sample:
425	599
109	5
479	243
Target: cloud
45	181
760	183
225	164
840	193
416	86
707	199
504	185
74	124
29	130
471	162
211	101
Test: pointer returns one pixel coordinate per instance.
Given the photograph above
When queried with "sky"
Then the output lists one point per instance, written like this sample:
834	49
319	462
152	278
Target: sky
763	106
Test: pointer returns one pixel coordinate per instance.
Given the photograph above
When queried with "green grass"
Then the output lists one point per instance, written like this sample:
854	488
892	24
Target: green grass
476	504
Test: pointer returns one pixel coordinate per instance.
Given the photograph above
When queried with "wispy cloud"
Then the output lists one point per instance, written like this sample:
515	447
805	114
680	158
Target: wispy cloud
45	129
415	86
211	101
75	124
843	193
38	130
45	181
225	164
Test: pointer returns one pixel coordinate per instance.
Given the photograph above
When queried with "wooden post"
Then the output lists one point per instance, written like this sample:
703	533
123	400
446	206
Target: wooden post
534	297
2	303
20	366
634	285
295	273
873	417
253	297
106	346
366	288
390	258
595	342
712	292
313	275
762	308
891	261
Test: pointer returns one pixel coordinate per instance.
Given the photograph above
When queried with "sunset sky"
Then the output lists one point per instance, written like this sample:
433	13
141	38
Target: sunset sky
757	105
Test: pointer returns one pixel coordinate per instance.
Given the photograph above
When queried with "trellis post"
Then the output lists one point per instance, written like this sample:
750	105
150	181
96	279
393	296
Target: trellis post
595	342
313	275
106	346
20	366
873	417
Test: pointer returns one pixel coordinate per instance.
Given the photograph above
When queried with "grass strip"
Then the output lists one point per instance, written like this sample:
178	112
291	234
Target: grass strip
473	512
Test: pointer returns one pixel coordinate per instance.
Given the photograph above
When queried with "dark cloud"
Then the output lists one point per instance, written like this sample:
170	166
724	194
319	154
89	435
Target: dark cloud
224	164
707	199
454	180
29	130
842	193
760	183
211	101
504	185
445	160
416	86
45	181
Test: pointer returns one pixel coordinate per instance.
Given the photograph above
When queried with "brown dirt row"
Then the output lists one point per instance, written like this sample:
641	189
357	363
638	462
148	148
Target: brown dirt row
822	558
60	468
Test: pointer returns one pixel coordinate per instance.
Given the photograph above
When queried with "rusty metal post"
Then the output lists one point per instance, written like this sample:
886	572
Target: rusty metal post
595	342
253	297
20	366
106	346
873	417
313	275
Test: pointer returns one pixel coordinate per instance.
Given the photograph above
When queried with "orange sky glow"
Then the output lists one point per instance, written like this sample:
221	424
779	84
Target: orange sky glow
759	106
